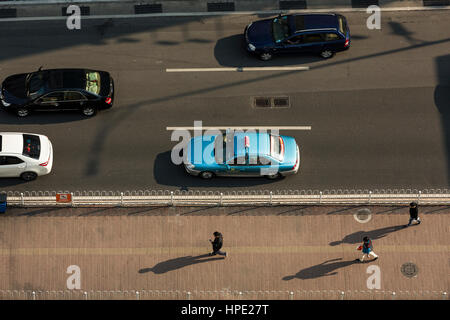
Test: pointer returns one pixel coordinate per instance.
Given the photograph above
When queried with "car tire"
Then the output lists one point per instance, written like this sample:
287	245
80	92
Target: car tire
22	112
89	111
206	175
326	53
265	56
273	176
28	176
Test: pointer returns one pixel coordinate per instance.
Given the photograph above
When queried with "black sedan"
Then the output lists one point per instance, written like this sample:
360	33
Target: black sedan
58	90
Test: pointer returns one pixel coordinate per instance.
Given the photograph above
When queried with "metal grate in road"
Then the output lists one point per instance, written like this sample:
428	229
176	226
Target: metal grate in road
364	3
428	3
281	102
148	8
261	102
271	102
84	10
8	13
220	6
292	5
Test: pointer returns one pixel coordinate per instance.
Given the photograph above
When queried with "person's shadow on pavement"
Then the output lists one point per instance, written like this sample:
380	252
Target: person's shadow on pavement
178	263
324	269
374	235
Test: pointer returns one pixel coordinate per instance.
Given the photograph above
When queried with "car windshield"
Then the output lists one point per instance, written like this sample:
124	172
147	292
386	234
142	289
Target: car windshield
36	83
277	147
31	146
280	29
93	82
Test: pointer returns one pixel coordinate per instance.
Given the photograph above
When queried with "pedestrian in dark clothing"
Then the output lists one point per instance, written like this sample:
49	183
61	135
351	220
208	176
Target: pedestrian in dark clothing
367	249
413	213
217	244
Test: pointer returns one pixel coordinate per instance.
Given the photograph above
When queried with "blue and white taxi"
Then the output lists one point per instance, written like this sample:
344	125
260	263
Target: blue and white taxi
240	154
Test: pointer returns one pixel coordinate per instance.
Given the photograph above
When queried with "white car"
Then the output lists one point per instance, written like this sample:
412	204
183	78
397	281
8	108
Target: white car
25	155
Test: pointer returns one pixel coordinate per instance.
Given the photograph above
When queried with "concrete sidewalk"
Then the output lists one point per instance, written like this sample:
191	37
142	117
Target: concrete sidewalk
309	251
56	8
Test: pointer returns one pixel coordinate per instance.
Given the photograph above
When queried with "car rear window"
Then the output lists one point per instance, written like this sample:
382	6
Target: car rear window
342	25
276	147
31	146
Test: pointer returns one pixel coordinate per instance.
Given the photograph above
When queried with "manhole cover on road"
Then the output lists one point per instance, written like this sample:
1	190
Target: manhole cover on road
262	102
363	215
409	269
271	102
281	102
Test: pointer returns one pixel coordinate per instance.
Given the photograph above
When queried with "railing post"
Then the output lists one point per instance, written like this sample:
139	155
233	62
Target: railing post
221	196
240	295
393	295
171	198
370	196
291	295
137	295
34	295
85	295
271	195
22	200
121	201
320	197
188	295
342	295
418	197
71	199
444	295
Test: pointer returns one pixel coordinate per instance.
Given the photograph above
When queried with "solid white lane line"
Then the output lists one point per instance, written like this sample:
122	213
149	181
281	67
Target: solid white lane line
242	128
238	69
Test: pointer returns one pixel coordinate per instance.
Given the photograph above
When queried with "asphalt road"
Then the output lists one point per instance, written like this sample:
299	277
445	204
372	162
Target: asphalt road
379	112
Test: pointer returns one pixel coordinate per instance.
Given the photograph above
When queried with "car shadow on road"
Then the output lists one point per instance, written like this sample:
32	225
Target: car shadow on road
442	101
178	263
327	268
8	118
358	236
8	182
168	174
230	52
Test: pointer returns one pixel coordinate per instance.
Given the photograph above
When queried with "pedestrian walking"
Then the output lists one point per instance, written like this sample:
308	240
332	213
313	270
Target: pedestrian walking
413	213
367	249
217	244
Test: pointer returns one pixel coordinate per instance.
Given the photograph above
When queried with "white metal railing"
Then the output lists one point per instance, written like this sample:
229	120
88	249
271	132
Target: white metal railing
229	198
222	295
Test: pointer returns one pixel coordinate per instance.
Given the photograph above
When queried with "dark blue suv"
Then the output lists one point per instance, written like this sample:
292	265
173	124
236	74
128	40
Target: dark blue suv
323	34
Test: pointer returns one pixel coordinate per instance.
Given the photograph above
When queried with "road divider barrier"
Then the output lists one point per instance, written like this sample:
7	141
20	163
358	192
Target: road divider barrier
142	198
